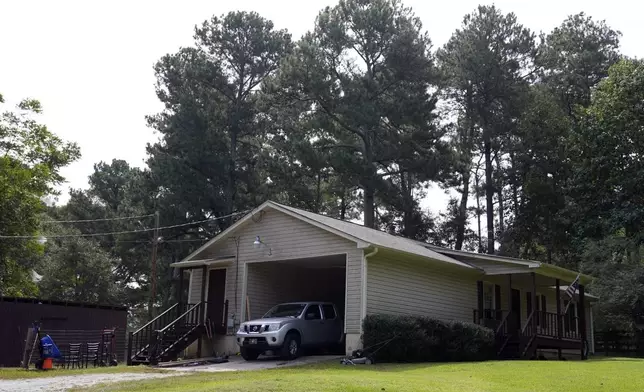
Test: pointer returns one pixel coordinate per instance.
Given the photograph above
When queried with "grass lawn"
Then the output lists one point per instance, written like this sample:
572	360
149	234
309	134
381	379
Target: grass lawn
16	373
619	374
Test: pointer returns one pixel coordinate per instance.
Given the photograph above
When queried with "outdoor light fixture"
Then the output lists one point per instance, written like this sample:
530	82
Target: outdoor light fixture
258	244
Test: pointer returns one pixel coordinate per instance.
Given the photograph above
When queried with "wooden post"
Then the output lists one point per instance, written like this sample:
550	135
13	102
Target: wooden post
202	308
509	292
559	316
479	297
581	312
153	266
535	306
180	293
129	349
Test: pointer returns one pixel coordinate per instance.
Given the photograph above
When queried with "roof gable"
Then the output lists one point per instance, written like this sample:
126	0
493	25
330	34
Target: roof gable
363	237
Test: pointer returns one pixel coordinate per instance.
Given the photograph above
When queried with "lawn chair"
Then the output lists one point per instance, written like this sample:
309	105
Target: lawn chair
91	354
73	356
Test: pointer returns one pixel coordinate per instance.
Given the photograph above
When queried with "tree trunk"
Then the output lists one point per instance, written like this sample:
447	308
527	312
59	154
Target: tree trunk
369	185
514	186
343	205
318	197
489	197
369	199
462	211
408	205
500	195
478	208
232	177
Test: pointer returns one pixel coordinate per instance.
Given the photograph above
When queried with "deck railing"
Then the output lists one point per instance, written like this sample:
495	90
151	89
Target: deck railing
538	322
549	324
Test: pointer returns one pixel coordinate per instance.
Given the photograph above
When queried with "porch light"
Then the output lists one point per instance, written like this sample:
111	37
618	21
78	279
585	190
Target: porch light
258	243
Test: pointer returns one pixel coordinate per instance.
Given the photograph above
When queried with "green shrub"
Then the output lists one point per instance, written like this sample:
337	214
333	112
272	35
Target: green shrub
424	339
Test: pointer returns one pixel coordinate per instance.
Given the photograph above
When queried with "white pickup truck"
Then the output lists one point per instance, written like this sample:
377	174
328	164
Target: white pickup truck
288	327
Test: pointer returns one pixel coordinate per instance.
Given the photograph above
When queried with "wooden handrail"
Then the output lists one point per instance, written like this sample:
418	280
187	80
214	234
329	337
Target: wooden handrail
155	319
164	329
503	321
528	321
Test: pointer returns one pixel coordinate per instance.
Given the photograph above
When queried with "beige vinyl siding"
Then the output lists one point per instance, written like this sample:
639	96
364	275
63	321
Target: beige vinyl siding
194	295
288	238
399	286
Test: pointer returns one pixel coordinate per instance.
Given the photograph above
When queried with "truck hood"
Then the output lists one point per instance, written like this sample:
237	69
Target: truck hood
274	320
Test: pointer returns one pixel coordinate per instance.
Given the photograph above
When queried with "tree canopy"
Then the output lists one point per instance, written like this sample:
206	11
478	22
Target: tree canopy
537	138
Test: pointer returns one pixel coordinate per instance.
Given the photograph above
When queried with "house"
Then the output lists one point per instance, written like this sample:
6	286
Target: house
279	254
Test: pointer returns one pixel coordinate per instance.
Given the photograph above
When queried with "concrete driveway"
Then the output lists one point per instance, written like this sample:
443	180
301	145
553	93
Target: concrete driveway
236	363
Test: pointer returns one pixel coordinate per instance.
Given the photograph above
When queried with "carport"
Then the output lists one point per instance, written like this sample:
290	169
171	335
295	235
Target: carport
269	283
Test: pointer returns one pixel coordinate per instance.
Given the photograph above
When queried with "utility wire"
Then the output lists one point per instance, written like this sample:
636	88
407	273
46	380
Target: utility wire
119	232
98	220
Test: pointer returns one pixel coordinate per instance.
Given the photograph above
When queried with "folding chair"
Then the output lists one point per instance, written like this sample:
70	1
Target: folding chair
91	354
73	355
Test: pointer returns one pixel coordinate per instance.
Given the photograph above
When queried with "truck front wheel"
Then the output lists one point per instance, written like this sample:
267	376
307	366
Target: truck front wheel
291	347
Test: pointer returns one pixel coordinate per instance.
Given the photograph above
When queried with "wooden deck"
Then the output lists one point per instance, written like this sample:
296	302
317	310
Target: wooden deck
541	331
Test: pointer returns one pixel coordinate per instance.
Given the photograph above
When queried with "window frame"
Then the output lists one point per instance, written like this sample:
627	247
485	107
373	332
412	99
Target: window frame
335	314
306	312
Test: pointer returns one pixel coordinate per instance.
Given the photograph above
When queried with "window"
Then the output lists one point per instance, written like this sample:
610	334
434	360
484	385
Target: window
329	311
488	296
285	310
313	313
488	301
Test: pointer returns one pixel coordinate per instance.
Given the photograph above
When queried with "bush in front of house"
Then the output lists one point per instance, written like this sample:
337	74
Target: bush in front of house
425	339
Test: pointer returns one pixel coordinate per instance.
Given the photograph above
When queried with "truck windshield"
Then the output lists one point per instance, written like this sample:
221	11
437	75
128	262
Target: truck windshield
285	310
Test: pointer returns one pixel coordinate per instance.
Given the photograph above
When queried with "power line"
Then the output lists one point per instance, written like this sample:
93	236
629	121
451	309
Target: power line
99	219
162	241
120	232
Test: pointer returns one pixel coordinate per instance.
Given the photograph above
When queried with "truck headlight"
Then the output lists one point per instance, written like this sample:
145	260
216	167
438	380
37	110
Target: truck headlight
272	327
242	328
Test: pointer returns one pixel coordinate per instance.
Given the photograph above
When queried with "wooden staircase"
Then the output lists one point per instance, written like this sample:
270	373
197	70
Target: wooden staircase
167	335
516	344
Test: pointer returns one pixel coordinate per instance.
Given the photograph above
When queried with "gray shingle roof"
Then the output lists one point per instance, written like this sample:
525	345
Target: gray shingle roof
374	237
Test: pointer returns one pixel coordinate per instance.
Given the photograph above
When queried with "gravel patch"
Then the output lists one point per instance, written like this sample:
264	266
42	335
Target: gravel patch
63	383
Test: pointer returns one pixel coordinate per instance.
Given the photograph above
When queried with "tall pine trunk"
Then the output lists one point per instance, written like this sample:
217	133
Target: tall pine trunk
489	195
232	177
478	209
369	187
462	210
499	187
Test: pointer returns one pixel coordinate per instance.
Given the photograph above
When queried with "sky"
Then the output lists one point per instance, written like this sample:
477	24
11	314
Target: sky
90	62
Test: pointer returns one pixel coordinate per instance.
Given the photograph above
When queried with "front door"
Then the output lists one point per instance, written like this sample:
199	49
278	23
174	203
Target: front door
515	319
216	298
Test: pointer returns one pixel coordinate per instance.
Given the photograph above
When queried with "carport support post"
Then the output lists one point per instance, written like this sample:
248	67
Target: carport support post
582	319
202	307
535	306
510	299
479	297
559	316
180	293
